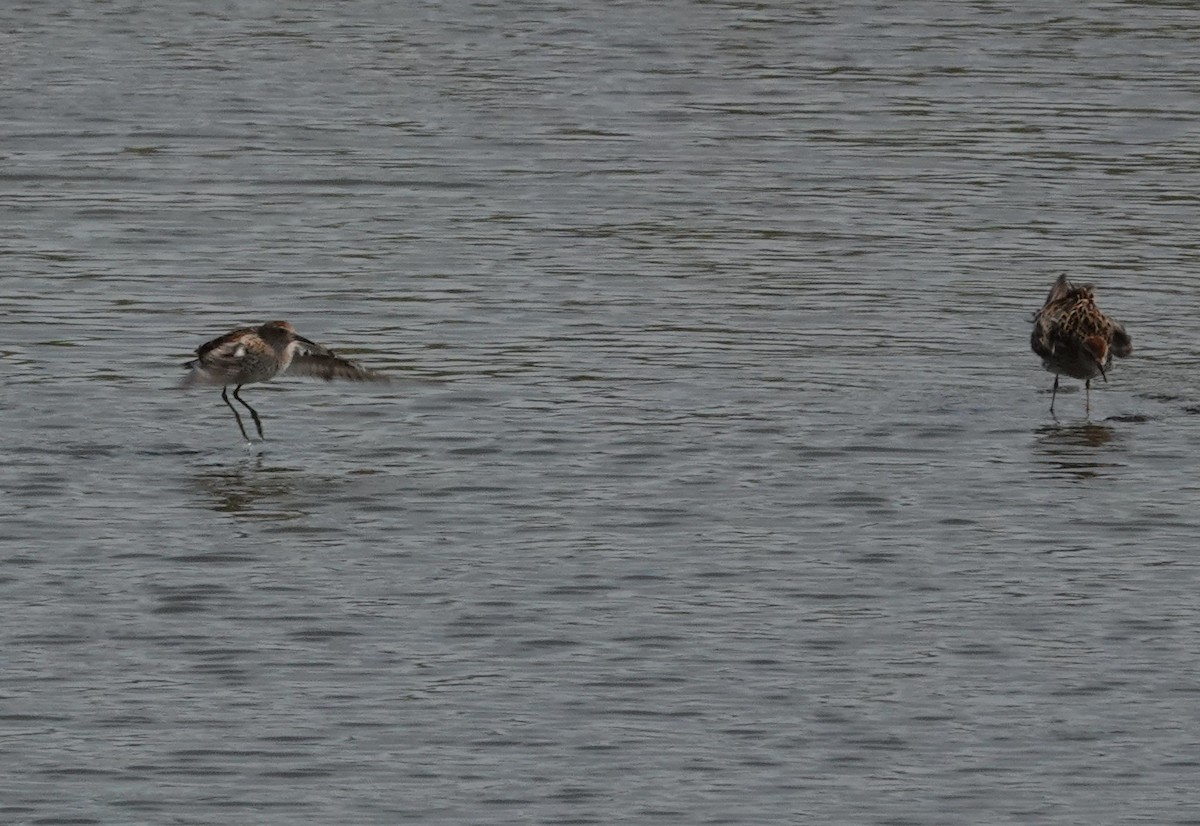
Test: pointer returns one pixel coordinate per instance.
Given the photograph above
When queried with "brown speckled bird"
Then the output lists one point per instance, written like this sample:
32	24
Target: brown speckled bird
1074	338
253	354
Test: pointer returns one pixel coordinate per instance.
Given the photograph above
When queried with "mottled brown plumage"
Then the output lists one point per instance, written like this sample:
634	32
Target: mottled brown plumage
253	354
1074	338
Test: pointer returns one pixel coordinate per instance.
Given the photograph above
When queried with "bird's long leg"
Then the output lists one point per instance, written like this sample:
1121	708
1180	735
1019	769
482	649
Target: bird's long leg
225	399
1054	394
253	413
1087	404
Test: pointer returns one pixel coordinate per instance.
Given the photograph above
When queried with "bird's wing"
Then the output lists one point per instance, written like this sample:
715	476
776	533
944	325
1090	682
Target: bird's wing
311	359
221	342
217	359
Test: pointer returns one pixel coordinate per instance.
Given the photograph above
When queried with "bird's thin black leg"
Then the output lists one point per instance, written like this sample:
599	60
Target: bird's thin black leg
253	412
225	399
1054	393
1087	404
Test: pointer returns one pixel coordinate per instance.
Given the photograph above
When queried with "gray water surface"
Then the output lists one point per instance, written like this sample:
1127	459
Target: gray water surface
716	483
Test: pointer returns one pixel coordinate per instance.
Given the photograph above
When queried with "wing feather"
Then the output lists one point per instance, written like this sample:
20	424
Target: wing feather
315	361
232	336
217	359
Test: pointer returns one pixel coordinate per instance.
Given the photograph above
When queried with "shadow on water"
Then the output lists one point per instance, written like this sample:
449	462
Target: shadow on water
1083	451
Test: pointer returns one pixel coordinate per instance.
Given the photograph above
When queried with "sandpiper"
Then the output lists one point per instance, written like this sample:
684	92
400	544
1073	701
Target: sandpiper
1074	338
253	354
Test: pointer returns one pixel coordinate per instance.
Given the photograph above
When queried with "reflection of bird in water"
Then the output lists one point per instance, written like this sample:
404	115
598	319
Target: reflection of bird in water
1080	435
254	354
1080	451
1074	338
252	488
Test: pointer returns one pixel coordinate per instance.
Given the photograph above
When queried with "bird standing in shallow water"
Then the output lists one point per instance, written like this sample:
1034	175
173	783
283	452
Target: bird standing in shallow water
253	354
1074	338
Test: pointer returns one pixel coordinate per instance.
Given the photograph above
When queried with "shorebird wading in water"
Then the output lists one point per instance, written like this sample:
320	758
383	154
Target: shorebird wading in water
1074	338
253	354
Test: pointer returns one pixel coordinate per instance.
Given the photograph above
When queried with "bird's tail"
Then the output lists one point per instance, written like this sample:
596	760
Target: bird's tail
194	374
